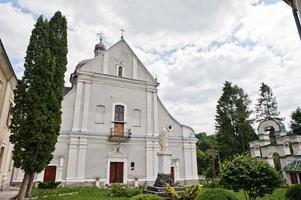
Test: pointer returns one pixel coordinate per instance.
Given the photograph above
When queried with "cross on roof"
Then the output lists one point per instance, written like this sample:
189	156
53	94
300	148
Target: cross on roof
122	30
100	35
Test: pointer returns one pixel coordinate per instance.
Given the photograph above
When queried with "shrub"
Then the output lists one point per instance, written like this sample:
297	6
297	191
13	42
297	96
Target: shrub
146	197
188	193
294	192
215	194
211	183
124	191
253	175
48	185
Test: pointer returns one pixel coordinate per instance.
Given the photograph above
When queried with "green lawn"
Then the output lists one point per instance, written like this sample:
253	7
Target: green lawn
80	193
279	194
92	193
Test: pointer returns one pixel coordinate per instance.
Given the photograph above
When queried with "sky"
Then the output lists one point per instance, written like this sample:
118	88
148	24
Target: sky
192	47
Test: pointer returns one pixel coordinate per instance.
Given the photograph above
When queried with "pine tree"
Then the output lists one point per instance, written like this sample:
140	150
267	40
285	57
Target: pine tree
36	114
267	105
295	123
233	123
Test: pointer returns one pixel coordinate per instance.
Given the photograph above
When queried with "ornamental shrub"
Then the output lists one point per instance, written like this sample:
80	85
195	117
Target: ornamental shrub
215	194
294	193
211	183
120	190
48	185
146	197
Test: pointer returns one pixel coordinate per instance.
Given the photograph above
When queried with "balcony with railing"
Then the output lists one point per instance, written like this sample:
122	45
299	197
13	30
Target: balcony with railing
117	136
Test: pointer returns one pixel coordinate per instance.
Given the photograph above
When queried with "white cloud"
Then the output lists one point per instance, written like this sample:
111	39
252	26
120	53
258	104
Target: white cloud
191	46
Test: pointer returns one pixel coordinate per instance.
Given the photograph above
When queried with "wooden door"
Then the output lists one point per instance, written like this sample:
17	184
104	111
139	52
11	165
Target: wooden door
172	169
49	174
118	129
116	172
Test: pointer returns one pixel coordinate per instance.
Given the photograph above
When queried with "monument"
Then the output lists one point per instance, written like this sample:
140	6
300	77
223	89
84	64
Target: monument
164	159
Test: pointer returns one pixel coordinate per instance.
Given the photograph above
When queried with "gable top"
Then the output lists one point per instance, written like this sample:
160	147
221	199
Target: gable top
119	54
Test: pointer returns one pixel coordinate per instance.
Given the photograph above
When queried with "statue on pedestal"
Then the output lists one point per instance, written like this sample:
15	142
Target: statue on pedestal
163	140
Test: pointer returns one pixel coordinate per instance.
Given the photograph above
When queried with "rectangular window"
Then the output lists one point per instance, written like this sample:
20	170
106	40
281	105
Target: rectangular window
137	118
119	113
9	115
132	166
100	114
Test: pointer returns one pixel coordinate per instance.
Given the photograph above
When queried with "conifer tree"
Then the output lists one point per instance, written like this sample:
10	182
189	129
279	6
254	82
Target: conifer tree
36	116
233	123
295	123
266	106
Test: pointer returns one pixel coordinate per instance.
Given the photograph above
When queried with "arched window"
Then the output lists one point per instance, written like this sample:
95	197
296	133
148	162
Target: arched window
272	135
276	160
119	113
120	71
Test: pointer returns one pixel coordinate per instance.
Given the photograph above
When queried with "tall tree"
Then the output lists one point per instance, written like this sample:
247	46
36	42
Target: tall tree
295	123
233	123
57	30
266	106
36	114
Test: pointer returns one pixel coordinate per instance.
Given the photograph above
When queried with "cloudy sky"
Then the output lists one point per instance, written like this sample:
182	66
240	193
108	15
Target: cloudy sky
191	46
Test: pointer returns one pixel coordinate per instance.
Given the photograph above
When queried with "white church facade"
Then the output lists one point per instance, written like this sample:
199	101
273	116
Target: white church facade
111	120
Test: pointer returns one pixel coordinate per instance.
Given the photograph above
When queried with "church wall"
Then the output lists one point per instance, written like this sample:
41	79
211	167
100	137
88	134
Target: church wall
120	55
107	95
67	110
165	119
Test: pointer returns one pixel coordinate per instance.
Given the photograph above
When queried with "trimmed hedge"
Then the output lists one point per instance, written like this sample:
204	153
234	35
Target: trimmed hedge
293	193
146	197
215	194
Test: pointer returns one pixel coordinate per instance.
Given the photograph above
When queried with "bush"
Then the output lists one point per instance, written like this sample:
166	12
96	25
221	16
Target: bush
146	197
119	190
216	194
211	183
294	192
188	193
48	185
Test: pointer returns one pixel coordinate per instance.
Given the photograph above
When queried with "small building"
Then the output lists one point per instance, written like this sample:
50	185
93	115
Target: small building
8	83
280	148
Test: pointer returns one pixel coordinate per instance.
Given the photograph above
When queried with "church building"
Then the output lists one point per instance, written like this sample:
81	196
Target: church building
111	120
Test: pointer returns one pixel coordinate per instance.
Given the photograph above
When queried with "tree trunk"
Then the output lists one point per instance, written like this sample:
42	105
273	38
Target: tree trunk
22	191
245	195
29	185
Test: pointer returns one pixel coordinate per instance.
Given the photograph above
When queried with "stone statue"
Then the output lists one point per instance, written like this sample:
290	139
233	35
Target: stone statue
163	140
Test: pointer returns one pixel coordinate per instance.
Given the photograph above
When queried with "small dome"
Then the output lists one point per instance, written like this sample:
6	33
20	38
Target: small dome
100	47
82	63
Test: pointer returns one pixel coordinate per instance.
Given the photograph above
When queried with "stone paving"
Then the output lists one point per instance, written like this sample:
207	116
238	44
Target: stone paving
8	193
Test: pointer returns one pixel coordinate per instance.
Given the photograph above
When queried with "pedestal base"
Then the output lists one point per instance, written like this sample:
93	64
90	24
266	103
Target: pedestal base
162	179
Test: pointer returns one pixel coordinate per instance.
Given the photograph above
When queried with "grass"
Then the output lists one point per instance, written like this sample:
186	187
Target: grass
278	194
93	193
78	193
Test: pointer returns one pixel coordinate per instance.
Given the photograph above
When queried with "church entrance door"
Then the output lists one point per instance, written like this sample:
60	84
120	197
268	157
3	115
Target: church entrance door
49	174
116	172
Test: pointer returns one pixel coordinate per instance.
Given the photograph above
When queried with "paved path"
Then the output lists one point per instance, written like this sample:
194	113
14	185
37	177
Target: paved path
8	193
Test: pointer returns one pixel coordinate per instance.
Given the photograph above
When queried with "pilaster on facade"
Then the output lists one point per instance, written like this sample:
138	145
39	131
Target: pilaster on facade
149	113
77	107
87	86
106	63
72	163
81	161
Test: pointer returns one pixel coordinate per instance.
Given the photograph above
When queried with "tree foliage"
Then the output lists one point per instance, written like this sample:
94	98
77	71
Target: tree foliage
254	175
31	123
36	116
233	122
204	154
266	106
295	123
